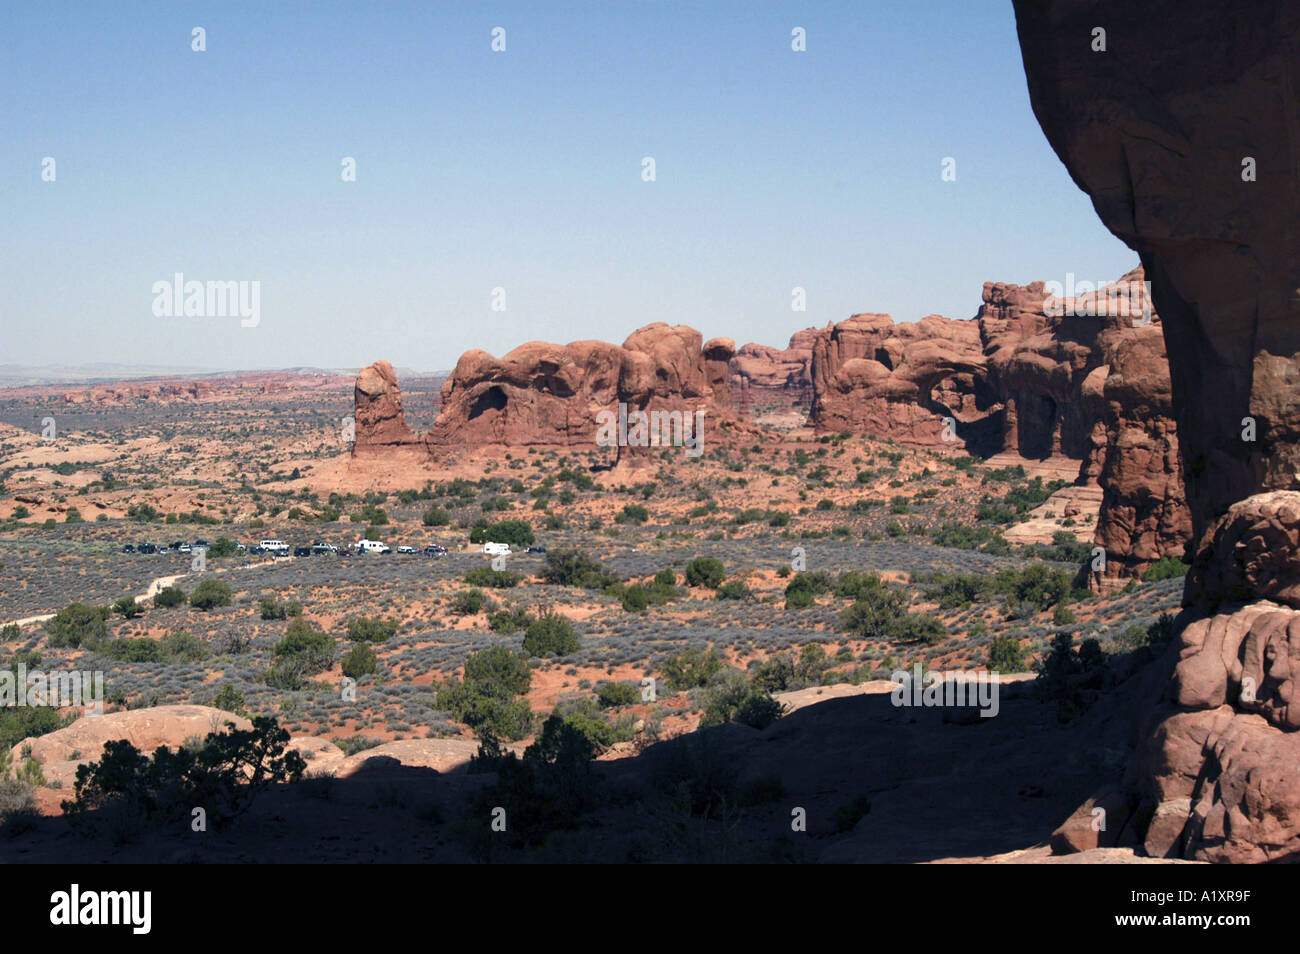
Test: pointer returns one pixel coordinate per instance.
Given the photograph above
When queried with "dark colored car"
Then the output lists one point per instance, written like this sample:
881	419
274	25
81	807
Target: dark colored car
201	543
302	551
148	548
537	549
434	549
129	548
175	545
256	549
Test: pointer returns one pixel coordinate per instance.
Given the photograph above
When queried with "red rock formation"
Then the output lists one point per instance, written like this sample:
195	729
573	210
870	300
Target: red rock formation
380	420
764	376
1084	378
900	381
1187	148
550	395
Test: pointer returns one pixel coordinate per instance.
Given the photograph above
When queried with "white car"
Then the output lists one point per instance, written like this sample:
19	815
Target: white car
496	549
278	547
407	549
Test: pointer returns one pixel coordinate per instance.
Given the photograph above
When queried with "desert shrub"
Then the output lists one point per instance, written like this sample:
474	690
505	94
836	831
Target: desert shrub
222	547
813	662
314	649
963	536
230	699
270	608
1166	568
360	661
690	668
288	673
78	624
210	594
508	621
169	596
1162	630
875	612
372	515
486	699
353	744
737	700
633	513
1062	615
774	674
17	791
468	603
1005	655
23	722
1039	585
733	590
582	726
499	579
611	694
371	629
517	533
573	567
551	633
1058	674
952	590
223	775
635	598
705	571
435	517
919	628
132	650
127	607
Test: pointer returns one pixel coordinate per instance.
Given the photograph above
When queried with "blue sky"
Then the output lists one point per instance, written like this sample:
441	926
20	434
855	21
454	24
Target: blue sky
519	170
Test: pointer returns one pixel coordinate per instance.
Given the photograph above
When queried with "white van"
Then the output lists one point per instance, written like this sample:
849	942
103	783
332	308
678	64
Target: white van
274	546
371	546
496	549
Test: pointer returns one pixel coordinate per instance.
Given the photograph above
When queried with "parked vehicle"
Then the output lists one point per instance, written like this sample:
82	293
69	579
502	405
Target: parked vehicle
406	548
537	549
496	549
201	544
278	547
148	548
322	547
302	551
184	548
129	548
256	550
371	546
434	549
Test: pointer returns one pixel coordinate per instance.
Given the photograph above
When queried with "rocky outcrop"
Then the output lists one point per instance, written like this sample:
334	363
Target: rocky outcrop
379	418
550	395
762	376
1188	149
1251	552
899	381
1042	376
1219	766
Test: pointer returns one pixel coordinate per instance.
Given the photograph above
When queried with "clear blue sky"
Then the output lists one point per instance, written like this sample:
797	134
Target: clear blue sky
519	169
